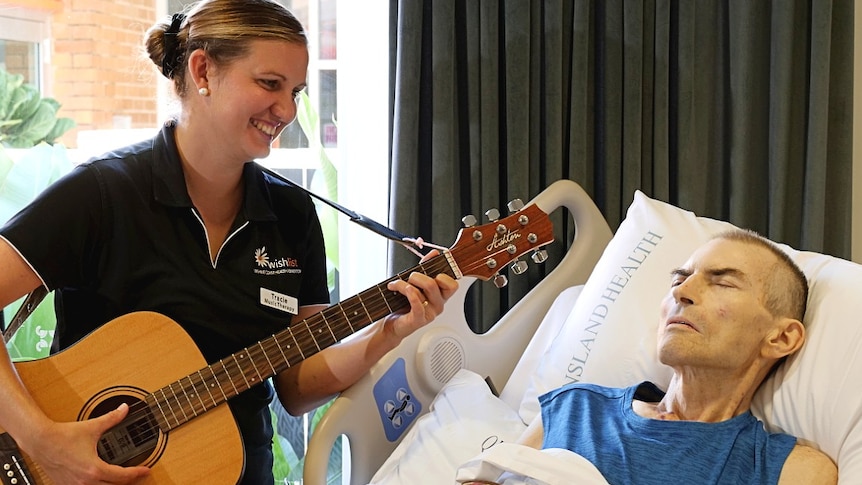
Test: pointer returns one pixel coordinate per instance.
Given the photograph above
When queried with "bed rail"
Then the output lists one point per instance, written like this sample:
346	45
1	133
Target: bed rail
378	410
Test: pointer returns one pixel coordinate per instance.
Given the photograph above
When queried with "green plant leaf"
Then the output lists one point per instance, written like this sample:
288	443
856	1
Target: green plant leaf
37	124
9	83
25	102
27	119
61	125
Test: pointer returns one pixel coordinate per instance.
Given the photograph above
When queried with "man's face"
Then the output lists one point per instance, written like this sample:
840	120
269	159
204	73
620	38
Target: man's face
714	316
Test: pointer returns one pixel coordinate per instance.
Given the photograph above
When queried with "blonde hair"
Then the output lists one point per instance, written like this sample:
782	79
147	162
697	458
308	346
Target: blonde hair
223	29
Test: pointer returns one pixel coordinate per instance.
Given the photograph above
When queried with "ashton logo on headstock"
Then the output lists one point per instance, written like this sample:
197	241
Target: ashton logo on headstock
503	240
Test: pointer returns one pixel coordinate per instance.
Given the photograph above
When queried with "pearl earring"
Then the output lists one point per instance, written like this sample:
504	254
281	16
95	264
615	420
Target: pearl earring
204	92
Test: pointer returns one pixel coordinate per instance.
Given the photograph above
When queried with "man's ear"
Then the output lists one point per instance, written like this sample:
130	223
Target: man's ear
199	66
787	337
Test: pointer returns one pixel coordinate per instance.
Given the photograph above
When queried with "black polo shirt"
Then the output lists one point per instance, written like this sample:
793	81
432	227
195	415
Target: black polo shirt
120	234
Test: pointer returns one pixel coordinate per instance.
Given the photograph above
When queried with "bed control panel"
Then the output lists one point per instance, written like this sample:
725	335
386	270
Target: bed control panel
397	404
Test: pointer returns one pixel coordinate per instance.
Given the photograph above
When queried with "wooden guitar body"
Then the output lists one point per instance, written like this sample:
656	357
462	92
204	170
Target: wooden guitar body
123	361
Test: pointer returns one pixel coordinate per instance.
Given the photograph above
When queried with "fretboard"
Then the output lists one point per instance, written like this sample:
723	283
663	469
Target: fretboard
211	386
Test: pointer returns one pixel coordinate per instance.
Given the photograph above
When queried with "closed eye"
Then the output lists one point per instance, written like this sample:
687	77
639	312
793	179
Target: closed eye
678	276
271	84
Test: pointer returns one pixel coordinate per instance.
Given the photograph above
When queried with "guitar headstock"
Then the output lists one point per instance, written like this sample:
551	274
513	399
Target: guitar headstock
482	251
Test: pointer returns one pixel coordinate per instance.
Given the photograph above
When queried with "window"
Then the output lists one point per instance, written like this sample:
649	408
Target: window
22	36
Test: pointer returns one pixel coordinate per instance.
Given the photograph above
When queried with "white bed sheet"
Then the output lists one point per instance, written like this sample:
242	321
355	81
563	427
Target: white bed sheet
464	419
513	464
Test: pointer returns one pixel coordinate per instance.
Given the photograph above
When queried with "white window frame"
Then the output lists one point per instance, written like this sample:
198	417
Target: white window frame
27	25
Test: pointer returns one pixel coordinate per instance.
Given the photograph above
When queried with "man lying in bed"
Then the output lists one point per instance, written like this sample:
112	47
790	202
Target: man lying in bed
734	310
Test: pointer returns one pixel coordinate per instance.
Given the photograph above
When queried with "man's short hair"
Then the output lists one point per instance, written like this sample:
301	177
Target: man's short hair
786	292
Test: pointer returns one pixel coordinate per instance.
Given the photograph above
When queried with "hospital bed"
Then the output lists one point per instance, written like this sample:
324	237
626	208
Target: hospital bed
432	403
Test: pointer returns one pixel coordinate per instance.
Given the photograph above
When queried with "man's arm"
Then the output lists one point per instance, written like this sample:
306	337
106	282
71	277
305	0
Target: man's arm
534	434
806	465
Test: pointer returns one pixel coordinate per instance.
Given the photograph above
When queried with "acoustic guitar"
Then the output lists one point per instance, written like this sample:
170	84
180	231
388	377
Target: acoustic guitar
176	423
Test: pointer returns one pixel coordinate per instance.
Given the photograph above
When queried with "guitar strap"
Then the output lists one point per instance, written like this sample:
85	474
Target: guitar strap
363	221
36	296
30	303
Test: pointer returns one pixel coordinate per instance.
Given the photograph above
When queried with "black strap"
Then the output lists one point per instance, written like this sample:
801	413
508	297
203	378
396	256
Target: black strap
30	303
363	221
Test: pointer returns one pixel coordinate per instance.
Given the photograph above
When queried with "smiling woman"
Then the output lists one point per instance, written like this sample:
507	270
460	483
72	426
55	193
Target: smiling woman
233	110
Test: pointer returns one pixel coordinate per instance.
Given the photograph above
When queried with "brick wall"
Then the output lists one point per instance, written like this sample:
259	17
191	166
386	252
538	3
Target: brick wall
98	68
17	59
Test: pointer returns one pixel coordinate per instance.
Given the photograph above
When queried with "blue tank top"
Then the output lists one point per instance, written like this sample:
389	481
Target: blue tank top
599	424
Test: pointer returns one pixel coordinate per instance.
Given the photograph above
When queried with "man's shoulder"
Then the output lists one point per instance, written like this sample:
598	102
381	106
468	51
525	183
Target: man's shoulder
808	465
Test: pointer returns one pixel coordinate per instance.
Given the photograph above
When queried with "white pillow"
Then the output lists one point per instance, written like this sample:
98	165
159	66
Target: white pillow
610	336
464	419
531	359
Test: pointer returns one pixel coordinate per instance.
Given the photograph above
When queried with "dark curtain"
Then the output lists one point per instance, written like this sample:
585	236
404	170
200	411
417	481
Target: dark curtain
736	110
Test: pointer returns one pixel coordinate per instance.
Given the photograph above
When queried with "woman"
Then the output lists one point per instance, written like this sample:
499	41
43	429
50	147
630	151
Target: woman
187	226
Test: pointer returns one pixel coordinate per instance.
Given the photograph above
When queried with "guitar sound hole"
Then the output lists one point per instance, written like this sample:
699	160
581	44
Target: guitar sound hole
134	440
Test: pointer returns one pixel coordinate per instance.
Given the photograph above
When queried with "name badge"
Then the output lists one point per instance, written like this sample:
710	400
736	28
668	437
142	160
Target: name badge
278	301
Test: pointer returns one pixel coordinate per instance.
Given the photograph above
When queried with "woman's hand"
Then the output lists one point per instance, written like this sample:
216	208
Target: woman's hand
427	297
66	452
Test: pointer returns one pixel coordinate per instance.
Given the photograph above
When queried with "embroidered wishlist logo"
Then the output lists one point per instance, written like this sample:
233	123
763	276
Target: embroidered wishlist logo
276	266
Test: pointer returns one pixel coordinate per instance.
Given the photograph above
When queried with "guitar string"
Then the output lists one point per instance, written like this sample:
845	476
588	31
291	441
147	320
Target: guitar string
355	306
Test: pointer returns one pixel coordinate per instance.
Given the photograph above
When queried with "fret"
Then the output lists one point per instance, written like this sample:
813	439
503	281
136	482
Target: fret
241	373
260	344
380	290
217	382
298	347
188	399
361	323
207	387
328	327
346	318
164	416
189	396
323	338
195	393
227	376
251	360
280	349
171	408
311	334
370	318
176	399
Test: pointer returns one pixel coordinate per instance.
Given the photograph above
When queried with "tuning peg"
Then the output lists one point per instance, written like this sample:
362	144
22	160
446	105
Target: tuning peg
519	266
469	220
515	205
492	214
539	256
500	280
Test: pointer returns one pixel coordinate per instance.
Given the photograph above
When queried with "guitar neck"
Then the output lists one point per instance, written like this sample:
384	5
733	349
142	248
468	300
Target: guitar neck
193	395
